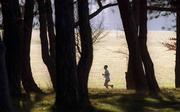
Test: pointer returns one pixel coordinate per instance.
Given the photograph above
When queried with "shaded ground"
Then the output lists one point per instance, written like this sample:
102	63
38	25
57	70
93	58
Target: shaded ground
129	102
117	100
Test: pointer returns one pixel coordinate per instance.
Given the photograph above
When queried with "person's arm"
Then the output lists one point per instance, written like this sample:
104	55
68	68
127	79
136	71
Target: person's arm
108	73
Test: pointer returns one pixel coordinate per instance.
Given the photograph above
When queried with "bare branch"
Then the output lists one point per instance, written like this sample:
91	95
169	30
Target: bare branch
101	9
99	3
98	11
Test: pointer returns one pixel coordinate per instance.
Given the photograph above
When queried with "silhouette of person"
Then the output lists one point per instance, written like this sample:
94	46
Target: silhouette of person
107	77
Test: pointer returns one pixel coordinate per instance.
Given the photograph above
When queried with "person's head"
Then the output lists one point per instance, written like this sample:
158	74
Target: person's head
105	66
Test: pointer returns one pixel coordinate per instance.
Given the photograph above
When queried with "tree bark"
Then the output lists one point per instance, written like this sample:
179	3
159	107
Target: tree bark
85	61
177	66
67	96
133	45
130	84
12	40
27	78
12	43
5	103
51	32
46	56
146	59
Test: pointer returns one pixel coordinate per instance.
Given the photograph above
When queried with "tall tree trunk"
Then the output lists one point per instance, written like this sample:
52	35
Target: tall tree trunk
5	103
85	61
51	35
13	53
51	32
146	59
67	97
46	56
129	74
27	78
133	45
177	66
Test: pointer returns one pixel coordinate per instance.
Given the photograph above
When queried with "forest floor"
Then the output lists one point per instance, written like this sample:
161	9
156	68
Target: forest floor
118	100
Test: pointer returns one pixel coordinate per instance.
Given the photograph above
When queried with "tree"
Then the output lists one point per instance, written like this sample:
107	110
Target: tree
51	32
86	58
130	84
174	7
146	59
46	24
140	17
177	66
67	96
27	78
12	40
5	104
133	45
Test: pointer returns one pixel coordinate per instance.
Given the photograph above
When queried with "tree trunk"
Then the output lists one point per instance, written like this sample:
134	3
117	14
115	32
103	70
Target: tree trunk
12	42
177	66
146	59
27	78
51	32
51	35
47	58
85	61
67	97
130	84
5	103
133	45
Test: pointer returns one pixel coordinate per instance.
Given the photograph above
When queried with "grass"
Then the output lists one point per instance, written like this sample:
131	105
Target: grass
126	101
116	100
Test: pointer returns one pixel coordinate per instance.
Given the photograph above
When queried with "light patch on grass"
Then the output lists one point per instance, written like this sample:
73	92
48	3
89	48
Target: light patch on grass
45	105
106	107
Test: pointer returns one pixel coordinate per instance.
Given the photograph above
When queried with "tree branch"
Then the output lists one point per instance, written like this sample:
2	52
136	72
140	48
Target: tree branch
99	3
98	11
101	8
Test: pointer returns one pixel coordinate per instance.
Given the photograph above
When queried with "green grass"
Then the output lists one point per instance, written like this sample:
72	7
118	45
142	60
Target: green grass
114	100
126	101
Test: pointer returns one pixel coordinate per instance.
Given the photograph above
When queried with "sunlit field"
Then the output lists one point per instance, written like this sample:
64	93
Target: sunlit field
112	50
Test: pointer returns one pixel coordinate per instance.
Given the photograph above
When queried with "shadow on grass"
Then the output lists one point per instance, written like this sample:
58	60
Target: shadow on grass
31	101
126	102
112	101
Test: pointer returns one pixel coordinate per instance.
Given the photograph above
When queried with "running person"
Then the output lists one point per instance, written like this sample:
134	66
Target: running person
107	77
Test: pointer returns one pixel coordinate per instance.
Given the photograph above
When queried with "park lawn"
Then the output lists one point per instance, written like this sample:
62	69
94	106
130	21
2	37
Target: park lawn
118	100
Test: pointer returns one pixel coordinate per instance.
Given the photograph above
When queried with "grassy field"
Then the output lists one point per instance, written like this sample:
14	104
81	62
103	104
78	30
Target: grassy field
112	50
118	100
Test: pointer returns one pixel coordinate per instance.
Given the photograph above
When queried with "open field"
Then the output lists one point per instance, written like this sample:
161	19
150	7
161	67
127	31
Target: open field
112	50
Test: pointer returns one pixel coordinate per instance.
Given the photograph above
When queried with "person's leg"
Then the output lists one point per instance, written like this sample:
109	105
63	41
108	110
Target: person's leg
109	84
112	86
106	84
